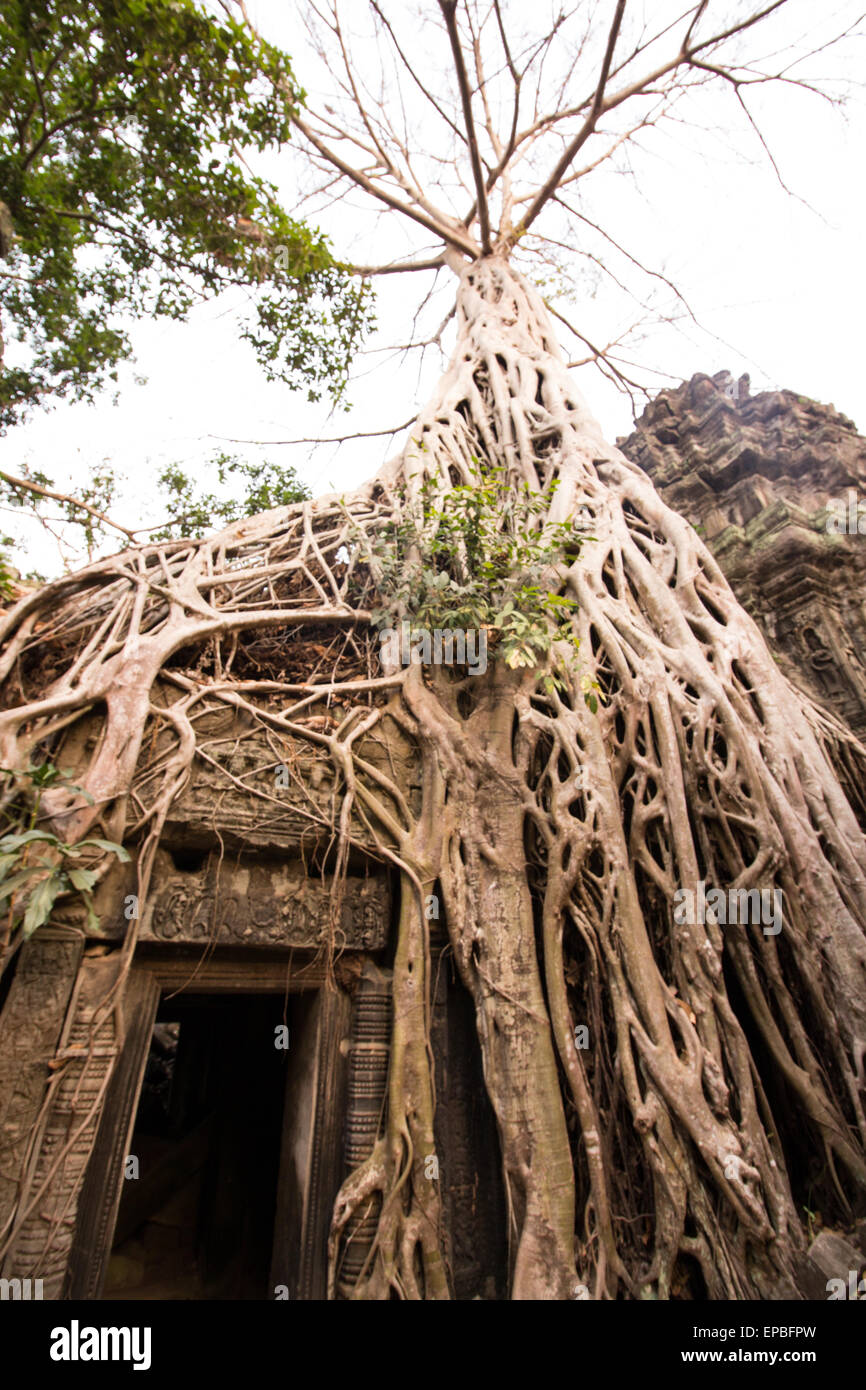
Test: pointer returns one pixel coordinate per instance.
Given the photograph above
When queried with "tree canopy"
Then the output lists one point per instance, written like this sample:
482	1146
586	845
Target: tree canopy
125	128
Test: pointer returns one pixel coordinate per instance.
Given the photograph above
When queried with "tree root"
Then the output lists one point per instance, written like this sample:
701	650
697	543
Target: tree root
657	1153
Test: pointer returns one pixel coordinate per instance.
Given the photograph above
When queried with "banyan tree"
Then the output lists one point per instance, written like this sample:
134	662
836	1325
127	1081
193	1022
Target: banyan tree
627	751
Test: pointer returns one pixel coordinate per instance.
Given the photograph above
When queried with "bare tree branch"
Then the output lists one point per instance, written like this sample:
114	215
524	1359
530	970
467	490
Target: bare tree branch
601	355
601	104
452	235
333	439
550	187
449	13
398	267
37	490
413	74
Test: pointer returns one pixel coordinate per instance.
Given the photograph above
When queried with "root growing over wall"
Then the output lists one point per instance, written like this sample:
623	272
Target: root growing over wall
718	1055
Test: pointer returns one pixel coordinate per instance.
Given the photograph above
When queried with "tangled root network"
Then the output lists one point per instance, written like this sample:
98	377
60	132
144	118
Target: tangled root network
670	1089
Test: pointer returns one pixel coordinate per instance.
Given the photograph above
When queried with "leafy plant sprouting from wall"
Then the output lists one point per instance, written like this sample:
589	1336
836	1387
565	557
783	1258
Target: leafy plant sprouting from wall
482	557
36	866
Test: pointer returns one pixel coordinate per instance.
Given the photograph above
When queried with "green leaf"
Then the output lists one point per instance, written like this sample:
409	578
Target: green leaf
11	885
14	842
82	879
44	774
6	862
41	902
109	846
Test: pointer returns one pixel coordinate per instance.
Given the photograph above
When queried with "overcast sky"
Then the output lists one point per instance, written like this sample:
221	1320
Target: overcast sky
780	284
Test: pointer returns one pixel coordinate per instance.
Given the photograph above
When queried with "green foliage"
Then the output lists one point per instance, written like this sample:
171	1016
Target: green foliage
37	867
97	492
124	193
8	573
266	485
246	488
481	559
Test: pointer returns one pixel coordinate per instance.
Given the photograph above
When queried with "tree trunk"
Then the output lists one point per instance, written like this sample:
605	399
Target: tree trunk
656	1158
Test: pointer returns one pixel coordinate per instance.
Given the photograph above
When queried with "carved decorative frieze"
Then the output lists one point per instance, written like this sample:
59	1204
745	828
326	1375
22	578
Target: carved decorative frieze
256	902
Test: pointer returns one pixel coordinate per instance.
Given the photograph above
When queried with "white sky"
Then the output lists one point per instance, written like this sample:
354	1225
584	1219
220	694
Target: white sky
782	285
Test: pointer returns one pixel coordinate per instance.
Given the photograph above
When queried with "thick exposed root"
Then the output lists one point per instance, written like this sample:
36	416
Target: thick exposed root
642	1062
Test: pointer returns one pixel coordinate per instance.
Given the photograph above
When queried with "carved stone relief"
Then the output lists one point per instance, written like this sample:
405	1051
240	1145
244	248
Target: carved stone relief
242	901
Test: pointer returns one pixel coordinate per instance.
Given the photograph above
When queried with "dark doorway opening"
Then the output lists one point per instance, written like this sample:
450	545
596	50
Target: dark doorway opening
197	1211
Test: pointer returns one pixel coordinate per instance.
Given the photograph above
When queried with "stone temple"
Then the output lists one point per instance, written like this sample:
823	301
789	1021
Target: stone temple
190	1145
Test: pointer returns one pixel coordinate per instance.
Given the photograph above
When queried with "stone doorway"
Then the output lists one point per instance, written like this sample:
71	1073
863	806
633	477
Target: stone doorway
197	1212
219	1150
